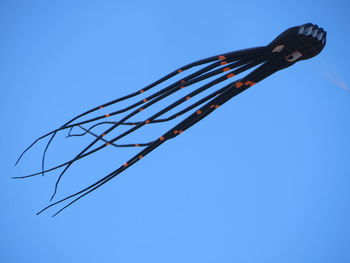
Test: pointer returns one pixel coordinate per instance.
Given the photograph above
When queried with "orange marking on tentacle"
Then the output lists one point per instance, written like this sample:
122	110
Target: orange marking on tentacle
107	115
107	143
140	157
183	81
141	109
223	62
161	138
101	107
226	69
212	106
147	121
103	135
230	75
249	83
181	131
137	145
222	57
179	70
175	131
239	84
141	91
187	98
182	87
217	106
199	112
125	164
144	100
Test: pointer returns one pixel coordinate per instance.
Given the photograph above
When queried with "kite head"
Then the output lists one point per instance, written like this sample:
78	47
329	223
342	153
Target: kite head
299	43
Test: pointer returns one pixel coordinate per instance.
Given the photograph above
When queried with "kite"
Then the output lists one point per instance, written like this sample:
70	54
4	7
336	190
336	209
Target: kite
293	45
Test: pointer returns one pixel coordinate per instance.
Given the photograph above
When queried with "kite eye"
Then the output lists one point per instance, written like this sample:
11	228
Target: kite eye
294	56
278	49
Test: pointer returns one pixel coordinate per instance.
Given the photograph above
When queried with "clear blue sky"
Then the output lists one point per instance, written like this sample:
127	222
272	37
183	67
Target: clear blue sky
265	178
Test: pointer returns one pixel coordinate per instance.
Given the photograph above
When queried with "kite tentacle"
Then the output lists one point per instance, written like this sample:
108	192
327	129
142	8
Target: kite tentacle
228	75
82	154
235	55
178	129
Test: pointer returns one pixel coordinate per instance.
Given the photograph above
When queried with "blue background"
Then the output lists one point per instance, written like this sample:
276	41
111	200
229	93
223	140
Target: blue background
263	179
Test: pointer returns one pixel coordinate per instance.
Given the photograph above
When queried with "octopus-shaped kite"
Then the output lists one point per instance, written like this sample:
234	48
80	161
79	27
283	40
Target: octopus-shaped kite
293	45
